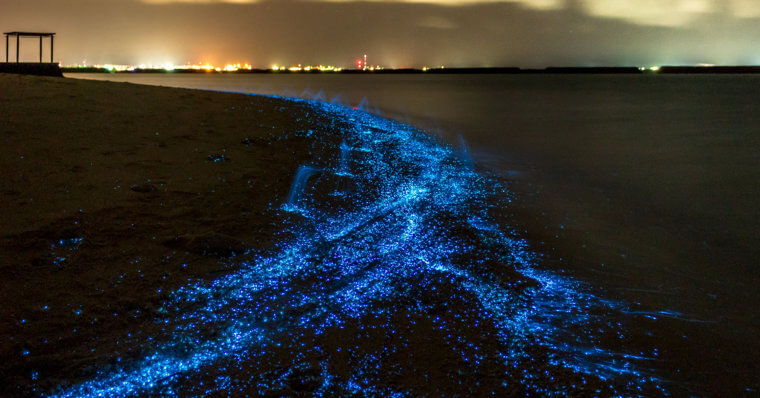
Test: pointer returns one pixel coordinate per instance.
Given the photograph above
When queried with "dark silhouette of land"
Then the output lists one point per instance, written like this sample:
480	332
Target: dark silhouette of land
633	70
31	68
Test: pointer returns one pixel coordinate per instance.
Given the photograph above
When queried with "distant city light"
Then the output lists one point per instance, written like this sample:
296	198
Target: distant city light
230	67
361	64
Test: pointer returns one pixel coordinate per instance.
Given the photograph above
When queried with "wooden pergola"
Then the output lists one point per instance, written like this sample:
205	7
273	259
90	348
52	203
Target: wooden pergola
19	35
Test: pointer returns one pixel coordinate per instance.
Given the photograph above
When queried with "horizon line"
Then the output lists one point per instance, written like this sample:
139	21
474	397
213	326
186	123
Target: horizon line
664	69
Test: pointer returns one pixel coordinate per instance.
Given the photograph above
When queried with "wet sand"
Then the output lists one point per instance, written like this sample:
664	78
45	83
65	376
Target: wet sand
116	195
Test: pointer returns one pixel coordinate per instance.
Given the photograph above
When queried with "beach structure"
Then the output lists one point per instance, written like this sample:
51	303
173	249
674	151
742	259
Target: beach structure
31	68
19	35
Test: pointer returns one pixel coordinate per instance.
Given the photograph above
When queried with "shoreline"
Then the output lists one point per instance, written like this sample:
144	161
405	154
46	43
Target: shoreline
129	202
112	184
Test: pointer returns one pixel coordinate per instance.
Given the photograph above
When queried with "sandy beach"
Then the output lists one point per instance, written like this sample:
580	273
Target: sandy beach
145	250
110	192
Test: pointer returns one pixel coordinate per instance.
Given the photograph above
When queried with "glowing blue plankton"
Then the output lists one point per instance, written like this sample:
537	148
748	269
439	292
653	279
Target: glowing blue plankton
397	260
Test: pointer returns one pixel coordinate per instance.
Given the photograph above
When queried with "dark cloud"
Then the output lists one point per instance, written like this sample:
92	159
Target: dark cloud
520	33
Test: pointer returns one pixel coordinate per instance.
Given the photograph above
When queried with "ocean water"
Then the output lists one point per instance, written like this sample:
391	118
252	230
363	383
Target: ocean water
644	187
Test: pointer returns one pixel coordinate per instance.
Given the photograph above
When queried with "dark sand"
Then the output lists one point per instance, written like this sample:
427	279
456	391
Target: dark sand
72	151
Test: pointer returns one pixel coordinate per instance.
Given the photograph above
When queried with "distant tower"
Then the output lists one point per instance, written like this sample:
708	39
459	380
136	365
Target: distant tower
365	62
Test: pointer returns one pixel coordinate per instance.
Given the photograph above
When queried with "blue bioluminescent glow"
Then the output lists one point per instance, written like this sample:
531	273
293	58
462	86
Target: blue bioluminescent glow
398	274
464	152
345	158
299	184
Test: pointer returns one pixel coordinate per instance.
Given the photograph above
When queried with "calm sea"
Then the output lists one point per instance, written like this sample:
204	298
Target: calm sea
647	187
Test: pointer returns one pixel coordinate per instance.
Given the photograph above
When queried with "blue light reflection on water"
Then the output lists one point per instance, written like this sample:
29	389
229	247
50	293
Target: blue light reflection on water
391	212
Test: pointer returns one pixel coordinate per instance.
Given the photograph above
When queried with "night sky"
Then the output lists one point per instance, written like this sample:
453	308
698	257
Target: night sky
524	33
